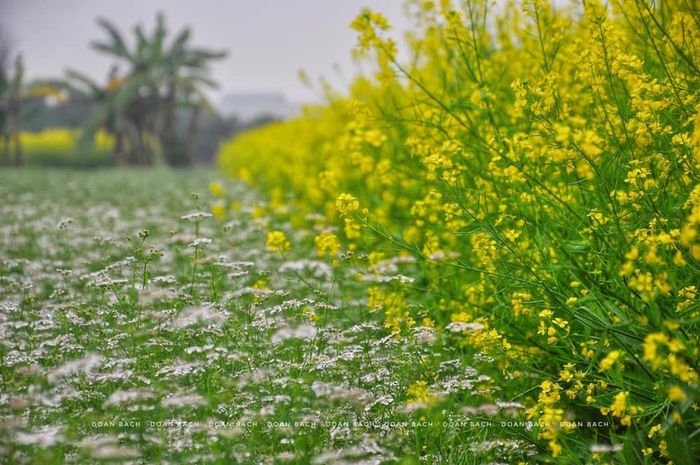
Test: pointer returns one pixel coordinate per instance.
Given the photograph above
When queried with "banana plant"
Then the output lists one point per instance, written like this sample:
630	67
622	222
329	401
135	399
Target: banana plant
163	76
106	114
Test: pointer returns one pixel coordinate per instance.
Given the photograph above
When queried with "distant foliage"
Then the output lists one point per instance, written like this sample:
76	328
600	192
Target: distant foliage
543	166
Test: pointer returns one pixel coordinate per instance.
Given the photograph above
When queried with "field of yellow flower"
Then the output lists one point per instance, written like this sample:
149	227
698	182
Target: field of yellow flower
527	180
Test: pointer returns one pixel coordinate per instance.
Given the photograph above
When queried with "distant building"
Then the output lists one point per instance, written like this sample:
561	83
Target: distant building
250	105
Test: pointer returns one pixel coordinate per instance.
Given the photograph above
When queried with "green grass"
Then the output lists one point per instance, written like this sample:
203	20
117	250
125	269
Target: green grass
120	320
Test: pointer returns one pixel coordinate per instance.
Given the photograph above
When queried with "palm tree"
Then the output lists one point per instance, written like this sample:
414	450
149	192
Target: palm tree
162	78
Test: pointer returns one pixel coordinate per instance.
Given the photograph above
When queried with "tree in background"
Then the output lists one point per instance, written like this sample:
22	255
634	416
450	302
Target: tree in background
105	114
11	96
5	54
15	93
162	78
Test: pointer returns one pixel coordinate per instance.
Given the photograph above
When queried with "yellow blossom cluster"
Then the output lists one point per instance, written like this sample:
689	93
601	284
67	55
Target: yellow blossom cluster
277	242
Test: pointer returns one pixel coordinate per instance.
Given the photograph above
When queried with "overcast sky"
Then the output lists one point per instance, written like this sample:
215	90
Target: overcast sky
268	41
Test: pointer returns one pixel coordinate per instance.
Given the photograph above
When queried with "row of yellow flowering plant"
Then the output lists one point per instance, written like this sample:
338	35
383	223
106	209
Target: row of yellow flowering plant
63	147
540	164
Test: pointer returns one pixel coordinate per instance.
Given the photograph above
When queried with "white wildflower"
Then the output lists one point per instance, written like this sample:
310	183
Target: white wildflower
605	448
89	362
115	452
196	216
303	331
65	222
318	269
127	397
459	326
181	400
199	242
46	436
204	315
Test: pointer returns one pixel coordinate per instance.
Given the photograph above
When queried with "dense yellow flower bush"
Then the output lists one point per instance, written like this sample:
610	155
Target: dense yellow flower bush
62	147
542	167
